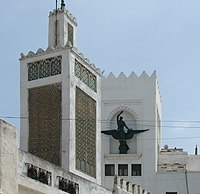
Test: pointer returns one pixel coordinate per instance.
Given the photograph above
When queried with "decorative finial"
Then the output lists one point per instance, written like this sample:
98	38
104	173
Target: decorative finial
62	3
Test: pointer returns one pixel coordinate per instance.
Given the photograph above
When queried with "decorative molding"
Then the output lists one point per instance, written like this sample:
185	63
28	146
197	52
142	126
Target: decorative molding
133	75
44	68
63	10
123	156
85	76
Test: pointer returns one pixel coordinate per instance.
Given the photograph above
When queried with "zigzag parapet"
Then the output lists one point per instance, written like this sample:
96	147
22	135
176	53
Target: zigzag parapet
132	76
49	50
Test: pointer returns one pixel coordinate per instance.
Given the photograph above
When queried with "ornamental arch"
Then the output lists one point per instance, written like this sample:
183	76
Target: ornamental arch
132	121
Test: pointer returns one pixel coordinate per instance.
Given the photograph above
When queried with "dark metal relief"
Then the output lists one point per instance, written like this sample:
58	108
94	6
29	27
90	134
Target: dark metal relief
121	135
85	75
44	68
45	122
85	133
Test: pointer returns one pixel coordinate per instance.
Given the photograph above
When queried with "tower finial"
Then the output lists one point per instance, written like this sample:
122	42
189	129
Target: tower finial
62	3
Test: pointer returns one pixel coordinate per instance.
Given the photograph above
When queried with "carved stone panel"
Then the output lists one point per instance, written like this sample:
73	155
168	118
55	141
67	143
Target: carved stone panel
85	76
71	34
44	68
45	123
85	133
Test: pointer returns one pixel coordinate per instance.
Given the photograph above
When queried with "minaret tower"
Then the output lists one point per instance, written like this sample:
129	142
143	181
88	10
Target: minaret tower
60	101
62	28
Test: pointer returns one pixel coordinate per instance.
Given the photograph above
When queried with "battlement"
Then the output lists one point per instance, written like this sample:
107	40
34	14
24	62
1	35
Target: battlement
132	76
123	187
49	50
134	86
63	10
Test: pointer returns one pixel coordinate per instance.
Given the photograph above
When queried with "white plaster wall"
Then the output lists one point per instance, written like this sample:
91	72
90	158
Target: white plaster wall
25	183
142	96
193	163
8	158
136	95
173	157
63	18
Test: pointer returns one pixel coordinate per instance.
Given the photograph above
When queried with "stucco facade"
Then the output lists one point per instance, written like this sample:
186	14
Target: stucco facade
17	175
61	108
158	170
68	81
60	90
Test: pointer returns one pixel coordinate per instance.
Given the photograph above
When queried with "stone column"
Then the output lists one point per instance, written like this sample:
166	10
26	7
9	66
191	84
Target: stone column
8	159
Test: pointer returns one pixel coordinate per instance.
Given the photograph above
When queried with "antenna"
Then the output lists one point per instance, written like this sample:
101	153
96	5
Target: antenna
196	150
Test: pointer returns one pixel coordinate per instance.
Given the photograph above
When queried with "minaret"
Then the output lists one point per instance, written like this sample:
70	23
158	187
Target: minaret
62	28
61	100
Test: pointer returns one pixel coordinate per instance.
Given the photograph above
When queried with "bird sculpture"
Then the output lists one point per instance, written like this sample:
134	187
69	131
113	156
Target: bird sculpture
121	135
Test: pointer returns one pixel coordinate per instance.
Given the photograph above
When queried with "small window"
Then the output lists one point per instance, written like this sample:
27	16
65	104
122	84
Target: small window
109	170
71	34
171	192
123	169
136	170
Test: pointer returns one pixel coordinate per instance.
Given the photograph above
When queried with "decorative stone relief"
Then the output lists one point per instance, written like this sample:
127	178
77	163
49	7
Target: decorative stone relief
44	105
44	68
85	75
71	34
85	133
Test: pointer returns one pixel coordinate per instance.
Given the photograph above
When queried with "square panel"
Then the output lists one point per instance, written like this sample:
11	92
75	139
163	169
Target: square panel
45	122
85	121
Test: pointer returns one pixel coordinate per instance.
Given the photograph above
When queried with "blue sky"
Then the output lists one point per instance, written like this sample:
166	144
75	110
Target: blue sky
116	35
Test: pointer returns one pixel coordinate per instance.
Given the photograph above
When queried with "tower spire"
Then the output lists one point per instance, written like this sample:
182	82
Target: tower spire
62	3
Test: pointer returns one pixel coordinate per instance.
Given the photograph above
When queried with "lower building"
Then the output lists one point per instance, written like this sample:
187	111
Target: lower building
24	173
160	171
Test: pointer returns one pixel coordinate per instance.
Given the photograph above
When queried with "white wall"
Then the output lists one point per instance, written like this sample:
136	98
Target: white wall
136	96
8	158
85	186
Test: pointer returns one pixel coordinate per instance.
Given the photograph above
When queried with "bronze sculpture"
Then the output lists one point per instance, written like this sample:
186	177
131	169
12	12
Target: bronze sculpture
121	135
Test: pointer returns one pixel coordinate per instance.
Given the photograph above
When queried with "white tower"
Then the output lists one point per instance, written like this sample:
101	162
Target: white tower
139	99
60	102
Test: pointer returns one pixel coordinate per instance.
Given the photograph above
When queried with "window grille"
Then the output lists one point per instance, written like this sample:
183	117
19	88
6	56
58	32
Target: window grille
85	133
71	34
44	68
85	75
109	169
123	169
136	170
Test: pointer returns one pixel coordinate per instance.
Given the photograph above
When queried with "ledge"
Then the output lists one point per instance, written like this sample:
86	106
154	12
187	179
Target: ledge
123	156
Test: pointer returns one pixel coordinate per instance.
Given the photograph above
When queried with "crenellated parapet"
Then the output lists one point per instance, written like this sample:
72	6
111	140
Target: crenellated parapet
123	187
63	10
131	77
133	86
50	50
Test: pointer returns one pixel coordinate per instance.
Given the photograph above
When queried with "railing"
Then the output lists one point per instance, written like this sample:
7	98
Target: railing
45	177
38	174
68	186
